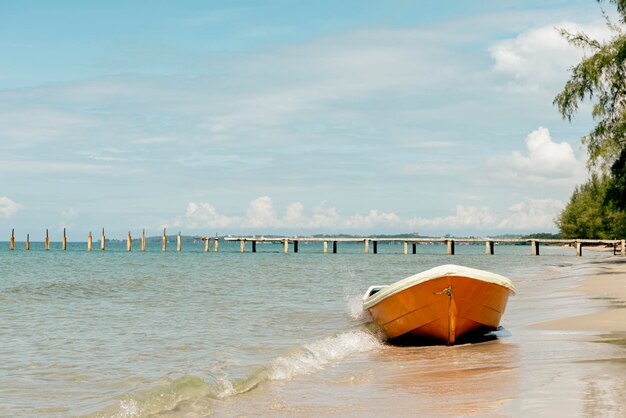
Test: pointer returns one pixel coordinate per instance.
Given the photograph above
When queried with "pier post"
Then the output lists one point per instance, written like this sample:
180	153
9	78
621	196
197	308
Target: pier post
143	240
64	242
579	249
103	241
295	246
534	247
489	247
375	247
242	245
47	241
164	241
207	244
334	247
254	246
623	247
27	244
367	246
12	240
179	242
414	248
450	244
325	247
285	246
406	247
129	242
216	244
89	242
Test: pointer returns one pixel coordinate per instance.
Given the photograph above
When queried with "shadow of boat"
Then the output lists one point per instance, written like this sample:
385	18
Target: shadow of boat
480	335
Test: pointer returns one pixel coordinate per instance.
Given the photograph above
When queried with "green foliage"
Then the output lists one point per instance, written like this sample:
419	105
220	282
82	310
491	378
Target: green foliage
601	78
542	235
588	215
616	193
597	209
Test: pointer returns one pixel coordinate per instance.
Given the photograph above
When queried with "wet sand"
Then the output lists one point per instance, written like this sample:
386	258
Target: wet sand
609	284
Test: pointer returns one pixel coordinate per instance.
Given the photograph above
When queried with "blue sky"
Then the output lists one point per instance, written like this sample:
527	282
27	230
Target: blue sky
287	117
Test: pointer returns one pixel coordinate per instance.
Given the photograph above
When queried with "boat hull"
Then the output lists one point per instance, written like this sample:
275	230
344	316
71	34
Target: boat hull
442	309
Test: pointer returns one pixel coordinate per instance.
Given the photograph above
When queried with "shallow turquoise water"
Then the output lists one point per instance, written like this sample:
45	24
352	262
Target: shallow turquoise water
124	334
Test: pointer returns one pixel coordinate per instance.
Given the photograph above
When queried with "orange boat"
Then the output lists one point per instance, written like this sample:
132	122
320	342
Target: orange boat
440	304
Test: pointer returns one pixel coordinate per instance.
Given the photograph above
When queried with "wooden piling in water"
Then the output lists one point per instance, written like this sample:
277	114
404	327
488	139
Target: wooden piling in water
143	240
489	247
450	245
129	242
103	241
325	247
27	244
254	246
367	246
64	242
406	247
624	247
295	246
375	247
242	245
216	244
534	247
207	244
334	247
89	242
414	248
285	246
179	242
579	249
47	241
164	241
12	240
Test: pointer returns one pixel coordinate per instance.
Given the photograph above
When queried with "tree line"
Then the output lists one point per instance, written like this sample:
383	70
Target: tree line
597	208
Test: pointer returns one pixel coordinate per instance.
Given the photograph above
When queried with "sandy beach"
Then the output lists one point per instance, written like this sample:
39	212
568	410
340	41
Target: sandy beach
608	283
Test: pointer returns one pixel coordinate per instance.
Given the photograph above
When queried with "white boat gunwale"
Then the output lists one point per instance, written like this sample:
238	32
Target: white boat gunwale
447	270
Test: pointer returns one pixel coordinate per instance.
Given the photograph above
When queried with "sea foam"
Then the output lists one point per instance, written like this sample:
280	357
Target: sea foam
316	355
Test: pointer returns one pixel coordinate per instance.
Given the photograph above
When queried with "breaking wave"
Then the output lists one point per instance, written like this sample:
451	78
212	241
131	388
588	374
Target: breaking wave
313	357
190	394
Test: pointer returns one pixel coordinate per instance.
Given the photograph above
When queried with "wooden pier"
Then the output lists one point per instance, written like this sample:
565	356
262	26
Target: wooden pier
413	242
331	244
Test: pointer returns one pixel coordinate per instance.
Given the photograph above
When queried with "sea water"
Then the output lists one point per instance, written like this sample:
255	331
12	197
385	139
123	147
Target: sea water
190	333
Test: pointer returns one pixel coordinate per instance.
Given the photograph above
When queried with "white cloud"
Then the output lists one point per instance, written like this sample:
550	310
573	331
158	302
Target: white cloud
8	207
204	215
324	218
464	216
294	214
261	214
44	166
372	219
530	214
540	57
153	140
545	162
38	124
428	168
